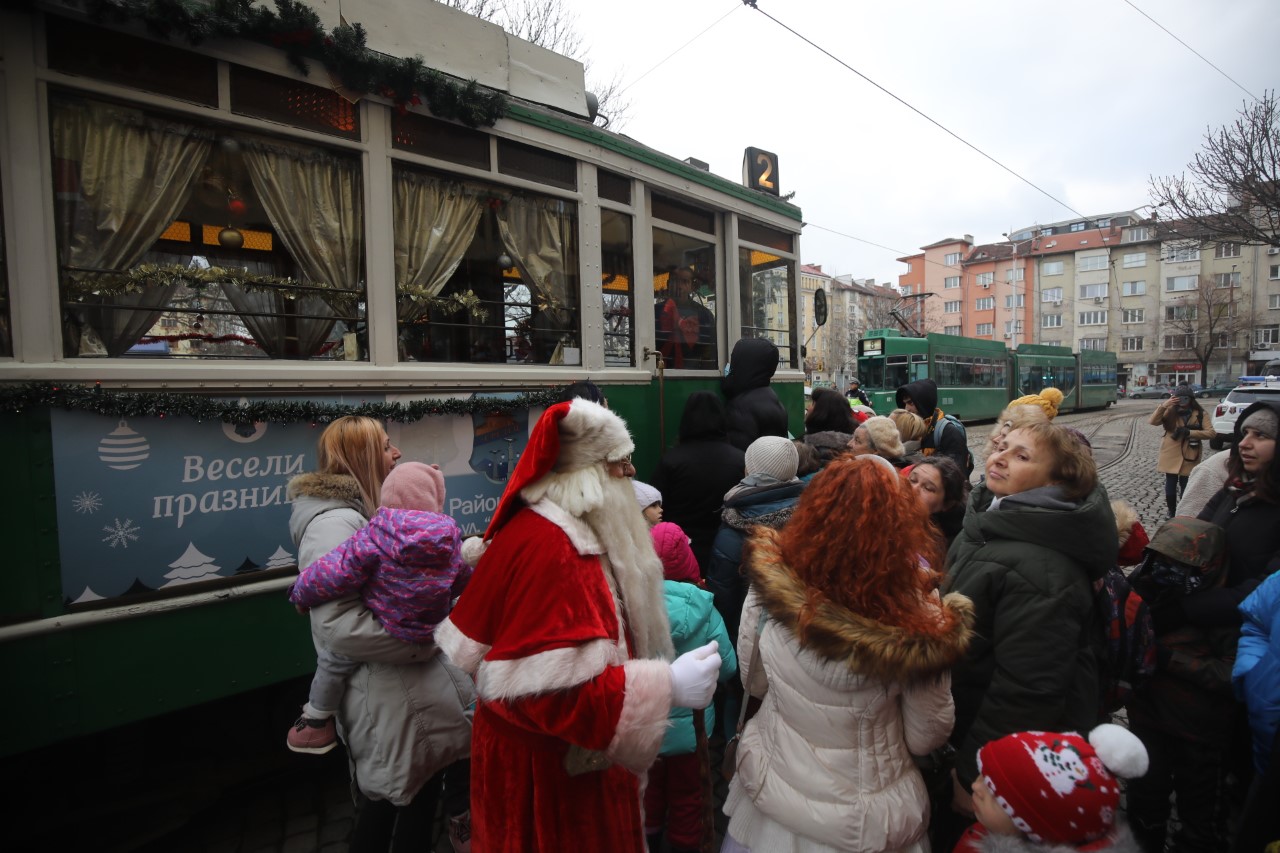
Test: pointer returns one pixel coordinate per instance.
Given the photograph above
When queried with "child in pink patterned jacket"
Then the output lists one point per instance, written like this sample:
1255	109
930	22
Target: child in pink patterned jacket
406	565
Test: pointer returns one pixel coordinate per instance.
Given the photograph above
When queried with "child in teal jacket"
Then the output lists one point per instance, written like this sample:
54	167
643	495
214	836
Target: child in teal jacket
674	795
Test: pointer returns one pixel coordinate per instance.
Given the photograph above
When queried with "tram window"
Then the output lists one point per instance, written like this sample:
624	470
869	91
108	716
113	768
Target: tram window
617	288
440	139
767	291
613	187
276	98
283	278
686	215
6	338
99	54
771	238
982	372
895	374
871	372
534	164
684	289
484	275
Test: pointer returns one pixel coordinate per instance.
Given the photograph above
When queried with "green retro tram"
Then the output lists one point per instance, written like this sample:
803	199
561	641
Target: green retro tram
977	378
211	246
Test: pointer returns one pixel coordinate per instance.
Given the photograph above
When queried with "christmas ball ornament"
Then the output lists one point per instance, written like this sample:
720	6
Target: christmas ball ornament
230	238
123	449
237	207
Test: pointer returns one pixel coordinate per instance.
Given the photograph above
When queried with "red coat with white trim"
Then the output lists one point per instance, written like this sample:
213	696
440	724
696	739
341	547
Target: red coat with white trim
539	627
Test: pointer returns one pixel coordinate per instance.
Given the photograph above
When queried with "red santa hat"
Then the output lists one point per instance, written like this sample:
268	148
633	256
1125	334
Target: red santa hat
1060	788
1133	536
568	437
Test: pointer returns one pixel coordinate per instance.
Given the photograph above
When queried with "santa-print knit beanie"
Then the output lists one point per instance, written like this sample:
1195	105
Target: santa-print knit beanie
414	485
672	545
773	456
646	495
1059	788
884	436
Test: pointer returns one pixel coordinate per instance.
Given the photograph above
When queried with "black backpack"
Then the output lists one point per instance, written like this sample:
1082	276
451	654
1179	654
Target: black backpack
937	438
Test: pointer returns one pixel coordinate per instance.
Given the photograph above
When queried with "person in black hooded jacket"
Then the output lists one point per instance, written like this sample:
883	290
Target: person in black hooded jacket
752	409
694	475
921	398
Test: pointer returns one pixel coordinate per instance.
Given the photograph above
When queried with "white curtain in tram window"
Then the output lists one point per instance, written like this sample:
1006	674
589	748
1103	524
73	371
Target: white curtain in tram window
281	333
120	179
539	236
313	201
435	222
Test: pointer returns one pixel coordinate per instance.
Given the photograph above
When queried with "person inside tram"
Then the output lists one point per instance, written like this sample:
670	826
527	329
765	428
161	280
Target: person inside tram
686	329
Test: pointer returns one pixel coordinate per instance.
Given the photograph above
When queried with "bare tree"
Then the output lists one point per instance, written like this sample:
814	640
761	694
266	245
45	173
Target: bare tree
550	24
1203	321
1233	191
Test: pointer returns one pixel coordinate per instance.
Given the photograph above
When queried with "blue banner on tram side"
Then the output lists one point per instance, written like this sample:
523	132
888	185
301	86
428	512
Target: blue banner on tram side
156	504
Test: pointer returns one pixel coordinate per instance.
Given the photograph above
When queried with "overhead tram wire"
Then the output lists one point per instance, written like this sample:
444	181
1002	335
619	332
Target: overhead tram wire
662	61
916	110
1192	49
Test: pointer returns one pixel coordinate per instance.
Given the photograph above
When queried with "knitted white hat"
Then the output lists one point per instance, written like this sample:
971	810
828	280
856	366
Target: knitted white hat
774	456
646	495
884	436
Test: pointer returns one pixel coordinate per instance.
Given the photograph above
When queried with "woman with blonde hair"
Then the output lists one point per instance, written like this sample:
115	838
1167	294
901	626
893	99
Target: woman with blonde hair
851	658
911	429
1038	532
402	716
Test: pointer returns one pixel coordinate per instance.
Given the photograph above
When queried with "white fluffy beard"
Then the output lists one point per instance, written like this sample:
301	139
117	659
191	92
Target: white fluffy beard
607	505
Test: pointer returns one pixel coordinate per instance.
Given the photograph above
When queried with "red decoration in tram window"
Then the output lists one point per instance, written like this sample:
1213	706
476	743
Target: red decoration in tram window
236	206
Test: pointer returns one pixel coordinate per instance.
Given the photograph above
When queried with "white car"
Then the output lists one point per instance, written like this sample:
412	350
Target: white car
1240	398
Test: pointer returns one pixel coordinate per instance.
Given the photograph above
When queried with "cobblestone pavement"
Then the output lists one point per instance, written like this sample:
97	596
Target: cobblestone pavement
247	794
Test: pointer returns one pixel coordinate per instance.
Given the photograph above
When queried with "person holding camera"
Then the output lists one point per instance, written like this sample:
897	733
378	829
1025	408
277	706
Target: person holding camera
1185	426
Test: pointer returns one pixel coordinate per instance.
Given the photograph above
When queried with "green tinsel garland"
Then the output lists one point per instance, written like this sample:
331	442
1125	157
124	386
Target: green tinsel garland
161	404
145	276
296	29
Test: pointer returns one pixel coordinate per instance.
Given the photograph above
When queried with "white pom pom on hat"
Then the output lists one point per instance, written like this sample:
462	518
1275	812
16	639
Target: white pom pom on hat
473	549
1120	750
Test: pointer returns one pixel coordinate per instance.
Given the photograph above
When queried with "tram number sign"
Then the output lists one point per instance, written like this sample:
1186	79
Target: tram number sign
870	347
760	170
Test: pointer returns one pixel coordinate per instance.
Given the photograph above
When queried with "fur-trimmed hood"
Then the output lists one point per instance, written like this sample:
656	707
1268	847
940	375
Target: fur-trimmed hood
314	494
835	633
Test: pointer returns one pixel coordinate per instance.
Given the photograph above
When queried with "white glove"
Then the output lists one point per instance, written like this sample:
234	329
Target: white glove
693	677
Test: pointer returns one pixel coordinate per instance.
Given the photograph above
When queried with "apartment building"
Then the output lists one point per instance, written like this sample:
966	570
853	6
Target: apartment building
1143	288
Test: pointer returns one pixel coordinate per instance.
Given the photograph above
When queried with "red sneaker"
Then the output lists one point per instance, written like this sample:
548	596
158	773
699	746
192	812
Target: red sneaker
313	736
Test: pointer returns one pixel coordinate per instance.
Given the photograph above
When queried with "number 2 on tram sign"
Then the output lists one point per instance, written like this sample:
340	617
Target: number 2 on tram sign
760	170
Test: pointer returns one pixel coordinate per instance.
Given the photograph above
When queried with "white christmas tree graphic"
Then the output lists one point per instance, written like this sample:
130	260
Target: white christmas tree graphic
87	502
121	533
279	559
87	596
191	566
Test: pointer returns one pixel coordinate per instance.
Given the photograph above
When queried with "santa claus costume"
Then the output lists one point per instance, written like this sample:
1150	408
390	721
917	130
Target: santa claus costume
565	630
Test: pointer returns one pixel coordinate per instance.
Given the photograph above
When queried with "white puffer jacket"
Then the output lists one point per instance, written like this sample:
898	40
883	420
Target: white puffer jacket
825	764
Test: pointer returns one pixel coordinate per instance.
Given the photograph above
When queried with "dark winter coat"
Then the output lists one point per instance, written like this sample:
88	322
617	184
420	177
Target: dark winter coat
953	443
1029	568
1253	542
763	500
693	477
1189	694
752	409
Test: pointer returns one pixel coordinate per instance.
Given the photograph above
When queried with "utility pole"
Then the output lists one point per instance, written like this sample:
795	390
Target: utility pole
1231	331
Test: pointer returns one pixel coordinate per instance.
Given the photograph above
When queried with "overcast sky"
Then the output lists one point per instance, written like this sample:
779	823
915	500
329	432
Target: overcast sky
1085	99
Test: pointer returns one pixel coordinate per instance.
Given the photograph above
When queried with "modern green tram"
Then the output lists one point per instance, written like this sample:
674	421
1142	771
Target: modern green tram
977	378
277	248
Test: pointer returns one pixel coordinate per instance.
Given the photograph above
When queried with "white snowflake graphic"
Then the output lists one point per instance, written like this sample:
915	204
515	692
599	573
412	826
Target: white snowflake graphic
87	502
121	534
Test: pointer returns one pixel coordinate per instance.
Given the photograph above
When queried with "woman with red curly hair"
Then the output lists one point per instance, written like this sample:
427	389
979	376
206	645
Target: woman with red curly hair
851	656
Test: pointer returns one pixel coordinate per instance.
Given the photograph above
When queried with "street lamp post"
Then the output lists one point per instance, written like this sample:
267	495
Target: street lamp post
1231	301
